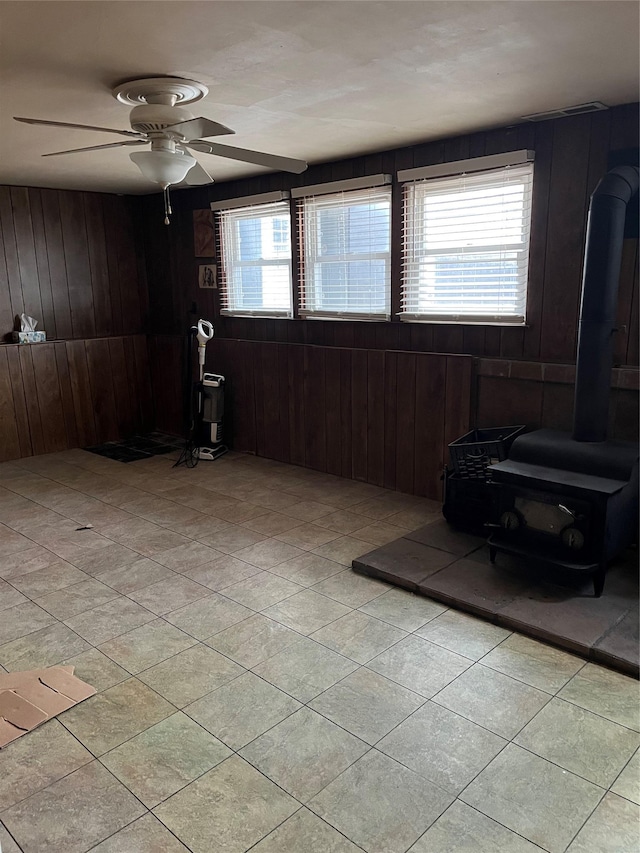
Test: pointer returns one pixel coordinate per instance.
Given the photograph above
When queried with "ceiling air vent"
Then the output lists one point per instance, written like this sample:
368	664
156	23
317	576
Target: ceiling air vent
594	106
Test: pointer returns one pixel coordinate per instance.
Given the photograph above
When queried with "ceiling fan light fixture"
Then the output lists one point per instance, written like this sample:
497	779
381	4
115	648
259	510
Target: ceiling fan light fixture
163	167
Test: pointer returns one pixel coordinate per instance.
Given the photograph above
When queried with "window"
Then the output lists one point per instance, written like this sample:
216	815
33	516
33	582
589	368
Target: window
256	260
466	246
346	270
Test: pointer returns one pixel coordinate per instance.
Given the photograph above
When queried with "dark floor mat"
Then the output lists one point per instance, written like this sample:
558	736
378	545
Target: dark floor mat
137	447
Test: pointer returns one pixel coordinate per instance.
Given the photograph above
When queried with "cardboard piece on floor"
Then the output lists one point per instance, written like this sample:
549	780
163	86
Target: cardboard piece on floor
28	699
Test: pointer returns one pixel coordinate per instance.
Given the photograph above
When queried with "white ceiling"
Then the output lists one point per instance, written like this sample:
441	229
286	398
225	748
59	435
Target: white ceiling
314	80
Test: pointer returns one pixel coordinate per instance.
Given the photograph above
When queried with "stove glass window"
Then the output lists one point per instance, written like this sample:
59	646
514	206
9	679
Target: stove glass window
548	518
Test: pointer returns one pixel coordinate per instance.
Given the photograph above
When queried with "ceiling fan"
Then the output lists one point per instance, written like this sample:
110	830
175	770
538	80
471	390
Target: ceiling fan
159	119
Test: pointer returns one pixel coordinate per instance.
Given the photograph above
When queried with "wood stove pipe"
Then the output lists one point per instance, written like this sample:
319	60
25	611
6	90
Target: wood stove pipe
601	272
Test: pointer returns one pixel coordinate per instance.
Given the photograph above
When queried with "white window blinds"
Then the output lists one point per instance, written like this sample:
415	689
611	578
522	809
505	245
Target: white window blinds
466	247
346	258
255	253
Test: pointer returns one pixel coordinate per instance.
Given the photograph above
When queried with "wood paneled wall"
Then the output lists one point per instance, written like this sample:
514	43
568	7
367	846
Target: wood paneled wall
56	396
72	260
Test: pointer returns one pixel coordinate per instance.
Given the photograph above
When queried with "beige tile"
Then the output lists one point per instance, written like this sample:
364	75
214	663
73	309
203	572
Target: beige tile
243	709
380	805
144	572
304	831
187	556
45	647
308	536
96	669
304	753
254	640
190	674
380	533
627	784
106	559
198	526
609	694
462	829
169	594
463	634
307	569
145	835
9	596
441	746
105	721
308	510
77	598
228	809
305	669
7	844
379	507
233	538
403	609
56	576
351	589
358	636
580	741
534	663
21	620
267	554
493	700
109	620
12	542
342	522
33	762
548	810
164	758
612	828
147	645
306	611
414	518
344	550
27	561
261	591
271	523
419	665
366	704
222	572
145	538
208	616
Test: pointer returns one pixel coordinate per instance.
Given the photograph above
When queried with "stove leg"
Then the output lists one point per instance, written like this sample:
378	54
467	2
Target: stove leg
598	581
492	553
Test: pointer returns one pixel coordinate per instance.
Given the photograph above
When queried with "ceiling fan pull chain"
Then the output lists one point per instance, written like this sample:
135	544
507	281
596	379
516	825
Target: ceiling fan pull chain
167	204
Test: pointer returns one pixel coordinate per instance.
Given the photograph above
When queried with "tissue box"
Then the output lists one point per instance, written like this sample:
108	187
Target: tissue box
29	337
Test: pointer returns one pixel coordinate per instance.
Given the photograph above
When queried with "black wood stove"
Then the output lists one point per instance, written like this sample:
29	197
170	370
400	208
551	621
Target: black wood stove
572	500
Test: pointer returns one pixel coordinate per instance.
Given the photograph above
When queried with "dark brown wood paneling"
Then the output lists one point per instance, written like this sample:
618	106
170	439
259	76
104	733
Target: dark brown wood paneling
10	445
406	421
204	244
332	411
47	321
359	414
375	418
26	252
49	399
19	401
31	400
431	382
57	267
314	397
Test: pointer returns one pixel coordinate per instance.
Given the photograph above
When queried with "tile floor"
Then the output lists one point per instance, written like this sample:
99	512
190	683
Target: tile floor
256	694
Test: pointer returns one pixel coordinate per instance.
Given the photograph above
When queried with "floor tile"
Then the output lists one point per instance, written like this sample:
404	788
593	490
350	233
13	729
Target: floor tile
164	758
169	594
306	611
533	797
7	844
269	553
305	669
147	645
77	598
261	591
351	589
74	813
343	550
191	674
45	647
228	809
612	828
222	572
440	534
579	741
403	609
621	644
358	636
33	762
609	694
233	538
308	511
271	523
367	704
493	700
24	562
254	640
419	665
109	558
380	805
208	616
187	556
380	533
463	634
143	572
308	569
105	721
462	829
304	753
308	536
627	784
145	835
96	669
9	596
304	831
243	709
21	620
342	522
109	620
406	560
534	663
441	746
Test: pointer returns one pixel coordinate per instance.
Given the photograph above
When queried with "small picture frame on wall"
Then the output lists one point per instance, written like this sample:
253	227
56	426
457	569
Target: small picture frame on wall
207	276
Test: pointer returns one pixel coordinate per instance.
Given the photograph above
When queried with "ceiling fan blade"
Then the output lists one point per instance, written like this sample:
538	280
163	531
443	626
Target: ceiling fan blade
98	147
80	126
198	176
198	127
271	161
